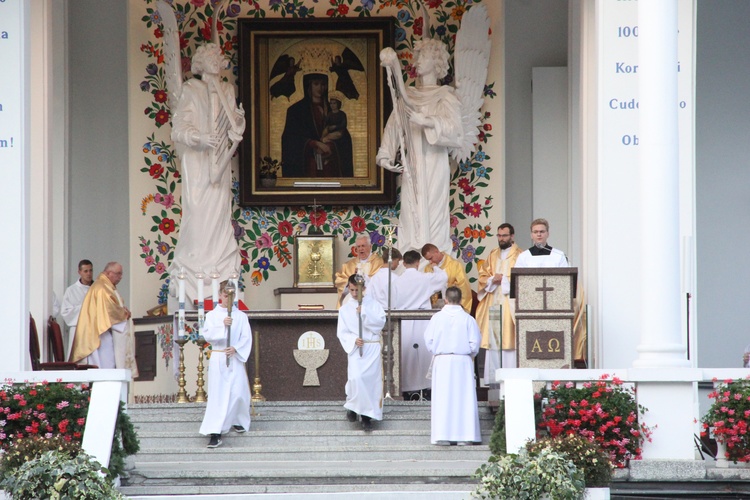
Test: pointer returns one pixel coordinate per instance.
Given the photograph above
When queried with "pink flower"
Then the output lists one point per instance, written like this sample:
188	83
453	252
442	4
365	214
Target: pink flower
62	404
264	241
160	268
569	385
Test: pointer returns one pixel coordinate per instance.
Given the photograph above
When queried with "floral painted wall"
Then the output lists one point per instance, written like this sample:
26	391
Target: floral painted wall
266	234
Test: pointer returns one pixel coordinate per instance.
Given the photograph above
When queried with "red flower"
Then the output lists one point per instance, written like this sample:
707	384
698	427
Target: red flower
434	4
487	127
162	117
343	9
417	28
467	232
167	225
285	228
158	33
358	224
318	217
156	170
160	96
465	186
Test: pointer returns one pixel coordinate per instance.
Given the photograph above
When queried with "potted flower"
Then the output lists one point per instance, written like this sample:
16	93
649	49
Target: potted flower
604	411
544	475
587	456
269	169
728	418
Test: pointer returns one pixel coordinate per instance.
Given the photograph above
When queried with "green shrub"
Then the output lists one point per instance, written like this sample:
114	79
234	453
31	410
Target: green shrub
29	448
55	475
587	456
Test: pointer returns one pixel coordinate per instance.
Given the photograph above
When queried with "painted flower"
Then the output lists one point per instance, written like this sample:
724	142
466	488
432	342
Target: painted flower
465	166
318	217
160	268
186	64
343	9
301	213
233	10
454	221
400	35
458	12
454	239
238	231
145	86
377	218
434	4
489	92
146	249
367	4
475	233
167	199
403	16
347	233
467	232
468	253
285	228
247	214
263	263
303	11
150	261
440	30
358	224
155	171
264	241
152	69
335	223
162	117
481	172
198	3
274	2
155	17
167	225
263	223
256	278
417	27
480	156
290	7
466	186
160	96
487	127
163	247
377	239
302	226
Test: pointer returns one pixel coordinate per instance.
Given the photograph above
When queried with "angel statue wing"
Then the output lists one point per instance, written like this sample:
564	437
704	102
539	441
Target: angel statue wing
471	58
172	56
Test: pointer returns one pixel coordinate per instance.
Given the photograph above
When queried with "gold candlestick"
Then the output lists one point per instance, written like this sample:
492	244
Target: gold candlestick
200	394
257	396
182	396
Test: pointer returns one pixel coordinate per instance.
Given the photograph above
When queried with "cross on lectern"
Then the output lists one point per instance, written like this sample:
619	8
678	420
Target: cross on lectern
544	289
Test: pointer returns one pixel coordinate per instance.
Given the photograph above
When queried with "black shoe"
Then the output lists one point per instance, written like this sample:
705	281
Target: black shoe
366	424
238	429
351	416
215	441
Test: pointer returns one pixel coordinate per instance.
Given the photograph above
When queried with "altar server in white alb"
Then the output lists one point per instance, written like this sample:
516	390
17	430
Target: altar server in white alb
413	291
541	254
453	338
228	404
73	300
378	286
364	384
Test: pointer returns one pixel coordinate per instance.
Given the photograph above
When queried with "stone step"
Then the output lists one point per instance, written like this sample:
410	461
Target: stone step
313	453
292	439
376	491
317	472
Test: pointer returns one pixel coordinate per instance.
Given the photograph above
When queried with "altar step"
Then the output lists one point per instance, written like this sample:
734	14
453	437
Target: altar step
301	448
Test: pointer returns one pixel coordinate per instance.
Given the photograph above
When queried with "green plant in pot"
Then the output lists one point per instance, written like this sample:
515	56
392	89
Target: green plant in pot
588	457
527	476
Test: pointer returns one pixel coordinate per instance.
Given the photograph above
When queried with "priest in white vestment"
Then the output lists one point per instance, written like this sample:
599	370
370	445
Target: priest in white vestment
413	291
453	337
541	254
73	299
364	384
228	404
378	286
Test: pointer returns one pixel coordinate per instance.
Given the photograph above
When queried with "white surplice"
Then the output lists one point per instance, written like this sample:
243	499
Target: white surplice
378	287
364	384
453	337
71	309
413	291
228	388
555	258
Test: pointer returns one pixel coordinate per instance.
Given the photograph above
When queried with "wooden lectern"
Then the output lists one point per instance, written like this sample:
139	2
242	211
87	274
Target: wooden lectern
544	311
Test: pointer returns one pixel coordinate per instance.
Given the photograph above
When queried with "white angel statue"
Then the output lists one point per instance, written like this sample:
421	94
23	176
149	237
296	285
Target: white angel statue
207	127
431	121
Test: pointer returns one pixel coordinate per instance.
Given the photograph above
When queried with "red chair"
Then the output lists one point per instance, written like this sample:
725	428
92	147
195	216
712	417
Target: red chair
35	353
54	332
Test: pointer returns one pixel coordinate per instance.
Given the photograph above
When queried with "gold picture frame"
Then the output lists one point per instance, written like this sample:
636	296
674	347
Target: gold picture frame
314	261
293	73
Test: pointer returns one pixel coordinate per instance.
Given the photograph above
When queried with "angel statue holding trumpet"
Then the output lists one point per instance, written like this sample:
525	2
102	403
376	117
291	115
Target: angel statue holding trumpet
207	127
431	122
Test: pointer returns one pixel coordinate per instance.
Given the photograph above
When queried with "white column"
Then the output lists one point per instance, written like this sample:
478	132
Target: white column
658	235
14	188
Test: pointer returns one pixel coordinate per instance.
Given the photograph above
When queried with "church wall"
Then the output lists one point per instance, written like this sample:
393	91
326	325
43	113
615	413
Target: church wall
98	196
263	269
723	177
536	35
